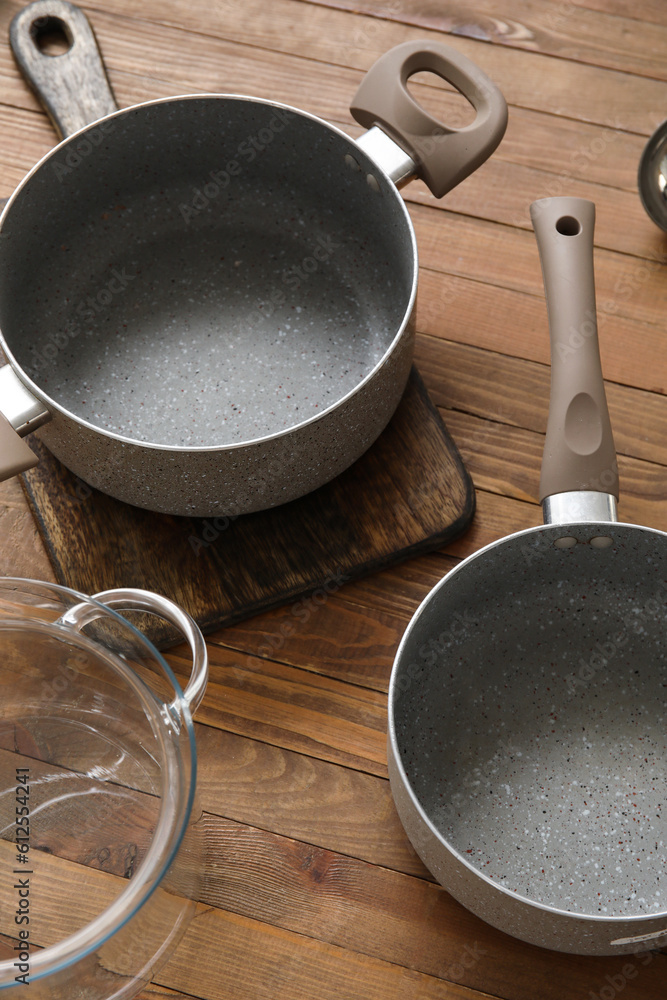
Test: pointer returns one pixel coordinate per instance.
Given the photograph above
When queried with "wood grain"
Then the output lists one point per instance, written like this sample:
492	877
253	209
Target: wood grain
341	809
613	39
388	916
313	889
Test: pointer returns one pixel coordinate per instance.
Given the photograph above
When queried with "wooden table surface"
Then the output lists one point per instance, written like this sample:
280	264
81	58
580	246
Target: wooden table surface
314	890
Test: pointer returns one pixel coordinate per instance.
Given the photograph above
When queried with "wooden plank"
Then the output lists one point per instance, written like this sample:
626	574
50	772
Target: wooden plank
513	321
337	808
300	50
22	552
331	35
222	570
627	287
567	30
352	644
282	702
588	93
400	591
368	911
330	900
651	11
630	295
571	150
466	378
355	642
270	963
497	516
501	191
391	917
507	459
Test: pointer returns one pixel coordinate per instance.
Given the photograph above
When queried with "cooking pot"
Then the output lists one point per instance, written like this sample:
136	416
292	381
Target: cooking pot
208	301
101	846
528	699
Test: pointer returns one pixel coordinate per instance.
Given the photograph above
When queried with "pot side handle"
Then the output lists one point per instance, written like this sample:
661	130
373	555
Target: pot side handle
20	413
133	599
579	452
15	455
73	87
443	156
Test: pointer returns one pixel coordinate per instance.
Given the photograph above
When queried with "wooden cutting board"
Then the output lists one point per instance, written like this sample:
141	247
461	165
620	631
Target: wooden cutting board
408	494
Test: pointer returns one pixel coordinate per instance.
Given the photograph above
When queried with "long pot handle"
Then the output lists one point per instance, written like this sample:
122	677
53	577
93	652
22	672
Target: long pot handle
442	155
73	87
579	452
133	599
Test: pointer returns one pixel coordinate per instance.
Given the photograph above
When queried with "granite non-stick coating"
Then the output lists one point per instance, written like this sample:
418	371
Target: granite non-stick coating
197	308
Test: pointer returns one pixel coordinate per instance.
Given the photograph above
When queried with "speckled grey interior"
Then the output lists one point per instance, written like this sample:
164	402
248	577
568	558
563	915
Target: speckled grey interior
209	273
529	711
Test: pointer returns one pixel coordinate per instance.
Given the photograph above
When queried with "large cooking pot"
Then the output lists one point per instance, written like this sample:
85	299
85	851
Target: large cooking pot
528	699
102	851
210	298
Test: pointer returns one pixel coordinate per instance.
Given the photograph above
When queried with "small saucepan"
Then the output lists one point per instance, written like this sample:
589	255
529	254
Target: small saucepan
528	700
208	301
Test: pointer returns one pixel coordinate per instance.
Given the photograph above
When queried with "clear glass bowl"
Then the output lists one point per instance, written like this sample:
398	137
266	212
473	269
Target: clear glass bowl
101	848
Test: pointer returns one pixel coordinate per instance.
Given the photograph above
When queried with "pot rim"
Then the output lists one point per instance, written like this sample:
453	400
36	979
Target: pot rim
605	527
359	153
172	822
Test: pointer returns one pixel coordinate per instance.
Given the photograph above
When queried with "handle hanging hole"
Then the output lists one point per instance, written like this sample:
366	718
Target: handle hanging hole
51	36
568	226
441	99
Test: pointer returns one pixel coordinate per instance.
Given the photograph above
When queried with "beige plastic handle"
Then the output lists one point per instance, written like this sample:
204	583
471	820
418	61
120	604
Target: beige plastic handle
444	156
15	455
579	451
